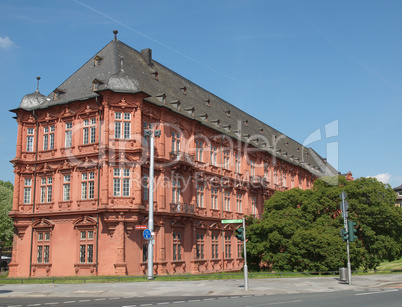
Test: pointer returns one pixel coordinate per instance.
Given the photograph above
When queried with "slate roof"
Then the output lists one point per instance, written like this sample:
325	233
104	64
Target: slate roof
124	69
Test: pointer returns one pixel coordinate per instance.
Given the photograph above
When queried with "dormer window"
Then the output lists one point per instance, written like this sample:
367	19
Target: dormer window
204	117
190	110
227	127
208	103
245	122
176	104
227	113
162	98
155	74
184	90
262	131
216	122
57	94
97	60
96	84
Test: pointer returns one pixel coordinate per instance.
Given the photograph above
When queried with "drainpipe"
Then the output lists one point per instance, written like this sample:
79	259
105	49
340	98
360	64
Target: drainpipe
34	189
97	205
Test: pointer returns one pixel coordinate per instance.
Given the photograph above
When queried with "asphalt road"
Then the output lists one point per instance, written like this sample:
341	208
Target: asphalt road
371	290
389	298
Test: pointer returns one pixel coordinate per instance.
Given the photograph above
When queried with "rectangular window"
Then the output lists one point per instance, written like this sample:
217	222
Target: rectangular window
86	246
48	138
227	200
176	191
121	182
200	196
27	191
228	246
30	139
199	150
292	181
284	180
200	246
144	252
238	202
213	155
145	186
254	205
252	168
43	247
122	125
215	246
88	185
46	190
214	198
66	188
176	246
175	142
266	174
68	134
226	159
239	249
89	131
238	164
275	177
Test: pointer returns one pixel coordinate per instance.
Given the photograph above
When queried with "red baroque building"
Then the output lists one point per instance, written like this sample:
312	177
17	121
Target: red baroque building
82	165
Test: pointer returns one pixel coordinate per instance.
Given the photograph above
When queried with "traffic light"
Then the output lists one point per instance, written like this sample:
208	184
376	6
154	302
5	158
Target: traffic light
239	233
352	231
344	235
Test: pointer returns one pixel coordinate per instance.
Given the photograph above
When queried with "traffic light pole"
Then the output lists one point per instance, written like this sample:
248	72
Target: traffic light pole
344	207
245	257
347	250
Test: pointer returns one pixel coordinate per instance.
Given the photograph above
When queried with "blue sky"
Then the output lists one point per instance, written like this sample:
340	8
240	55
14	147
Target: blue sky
326	73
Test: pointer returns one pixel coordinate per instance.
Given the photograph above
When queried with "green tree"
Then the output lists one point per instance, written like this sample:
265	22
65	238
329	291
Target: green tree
300	230
6	223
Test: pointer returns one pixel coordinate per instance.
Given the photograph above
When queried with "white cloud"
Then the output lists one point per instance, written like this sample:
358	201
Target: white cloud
6	43
385	178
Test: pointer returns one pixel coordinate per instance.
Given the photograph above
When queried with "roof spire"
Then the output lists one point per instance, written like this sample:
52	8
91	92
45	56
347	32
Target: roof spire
115	34
37	85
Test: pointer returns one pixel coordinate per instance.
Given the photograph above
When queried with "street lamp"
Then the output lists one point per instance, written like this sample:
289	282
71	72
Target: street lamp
151	242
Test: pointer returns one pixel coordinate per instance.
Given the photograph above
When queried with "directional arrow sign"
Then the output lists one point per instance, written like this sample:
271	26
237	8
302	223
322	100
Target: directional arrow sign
232	221
146	234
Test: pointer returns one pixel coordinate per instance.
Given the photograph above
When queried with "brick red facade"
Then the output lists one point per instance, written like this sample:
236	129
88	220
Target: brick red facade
80	189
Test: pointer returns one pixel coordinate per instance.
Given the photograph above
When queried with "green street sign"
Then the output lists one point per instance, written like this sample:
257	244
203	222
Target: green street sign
232	221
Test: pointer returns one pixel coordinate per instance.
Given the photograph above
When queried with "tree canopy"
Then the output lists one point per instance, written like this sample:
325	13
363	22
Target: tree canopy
300	230
6	223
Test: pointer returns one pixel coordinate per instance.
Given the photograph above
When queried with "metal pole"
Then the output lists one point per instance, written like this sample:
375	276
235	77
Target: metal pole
245	257
151	210
349	267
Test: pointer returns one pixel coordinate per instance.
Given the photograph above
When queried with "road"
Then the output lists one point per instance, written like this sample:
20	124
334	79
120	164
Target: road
373	290
389	298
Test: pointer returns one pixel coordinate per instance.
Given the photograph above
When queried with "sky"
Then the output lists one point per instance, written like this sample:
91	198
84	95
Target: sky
326	73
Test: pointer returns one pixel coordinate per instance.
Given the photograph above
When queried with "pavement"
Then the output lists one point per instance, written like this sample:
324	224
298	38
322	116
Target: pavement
204	287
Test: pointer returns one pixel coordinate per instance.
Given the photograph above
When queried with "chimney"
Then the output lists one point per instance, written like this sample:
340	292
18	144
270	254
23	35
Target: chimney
147	55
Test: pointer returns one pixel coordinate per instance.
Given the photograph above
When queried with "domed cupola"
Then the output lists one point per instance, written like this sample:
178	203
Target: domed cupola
122	82
34	100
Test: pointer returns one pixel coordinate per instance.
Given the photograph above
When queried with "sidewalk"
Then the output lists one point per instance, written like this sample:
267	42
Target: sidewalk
203	287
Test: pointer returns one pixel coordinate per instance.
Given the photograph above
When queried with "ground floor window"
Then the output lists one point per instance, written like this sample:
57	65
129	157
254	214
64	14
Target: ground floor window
215	246
86	246
228	246
43	247
176	246
200	246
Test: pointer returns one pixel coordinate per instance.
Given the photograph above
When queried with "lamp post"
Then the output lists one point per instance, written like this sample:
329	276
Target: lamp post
151	242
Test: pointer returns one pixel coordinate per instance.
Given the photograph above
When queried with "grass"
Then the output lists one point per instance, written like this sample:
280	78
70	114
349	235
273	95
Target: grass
394	265
384	268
